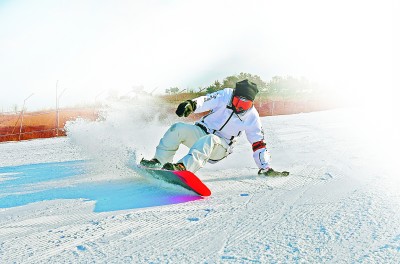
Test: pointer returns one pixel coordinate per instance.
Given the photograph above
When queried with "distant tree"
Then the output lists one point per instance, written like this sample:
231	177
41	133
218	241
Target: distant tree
190	90
172	90
211	89
230	81
216	86
201	89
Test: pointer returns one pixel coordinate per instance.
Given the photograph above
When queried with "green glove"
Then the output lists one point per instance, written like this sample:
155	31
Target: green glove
186	108
272	173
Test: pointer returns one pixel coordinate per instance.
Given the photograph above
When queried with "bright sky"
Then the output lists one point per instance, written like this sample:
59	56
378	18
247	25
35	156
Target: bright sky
94	46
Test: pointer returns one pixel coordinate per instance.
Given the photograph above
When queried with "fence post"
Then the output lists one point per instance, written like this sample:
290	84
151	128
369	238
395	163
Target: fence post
273	107
57	107
22	117
22	120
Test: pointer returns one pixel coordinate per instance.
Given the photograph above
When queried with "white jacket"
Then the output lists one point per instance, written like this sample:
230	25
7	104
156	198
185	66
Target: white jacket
225	123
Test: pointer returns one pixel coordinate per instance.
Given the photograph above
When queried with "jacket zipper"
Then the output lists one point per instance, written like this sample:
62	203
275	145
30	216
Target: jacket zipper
226	122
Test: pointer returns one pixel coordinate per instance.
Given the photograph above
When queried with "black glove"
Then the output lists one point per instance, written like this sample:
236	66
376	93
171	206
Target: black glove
186	108
272	173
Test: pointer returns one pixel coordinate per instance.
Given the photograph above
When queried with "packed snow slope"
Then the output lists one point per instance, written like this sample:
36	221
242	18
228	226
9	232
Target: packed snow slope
80	199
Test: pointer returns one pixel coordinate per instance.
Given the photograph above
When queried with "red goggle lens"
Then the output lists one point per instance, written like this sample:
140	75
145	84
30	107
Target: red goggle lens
241	104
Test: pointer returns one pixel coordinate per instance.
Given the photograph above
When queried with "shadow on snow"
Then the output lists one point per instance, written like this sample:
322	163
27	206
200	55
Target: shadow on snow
21	185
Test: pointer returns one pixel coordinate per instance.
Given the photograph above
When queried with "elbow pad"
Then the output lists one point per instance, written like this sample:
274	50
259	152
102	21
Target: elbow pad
262	158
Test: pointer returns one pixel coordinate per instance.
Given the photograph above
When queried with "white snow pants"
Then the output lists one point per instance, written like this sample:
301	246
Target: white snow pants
202	146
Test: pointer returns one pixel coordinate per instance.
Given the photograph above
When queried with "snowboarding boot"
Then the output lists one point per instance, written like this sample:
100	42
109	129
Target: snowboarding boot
175	167
153	163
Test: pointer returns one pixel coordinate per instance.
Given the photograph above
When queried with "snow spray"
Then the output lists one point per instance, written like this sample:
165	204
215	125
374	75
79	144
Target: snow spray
124	132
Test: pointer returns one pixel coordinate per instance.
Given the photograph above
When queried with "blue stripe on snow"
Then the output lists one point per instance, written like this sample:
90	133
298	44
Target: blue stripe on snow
16	188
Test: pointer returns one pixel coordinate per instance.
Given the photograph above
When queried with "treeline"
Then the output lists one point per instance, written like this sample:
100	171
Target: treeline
279	86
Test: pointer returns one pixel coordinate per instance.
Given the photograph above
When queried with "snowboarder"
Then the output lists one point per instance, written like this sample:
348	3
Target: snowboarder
213	137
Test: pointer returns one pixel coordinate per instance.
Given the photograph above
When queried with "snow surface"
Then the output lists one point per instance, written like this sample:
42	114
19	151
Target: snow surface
78	200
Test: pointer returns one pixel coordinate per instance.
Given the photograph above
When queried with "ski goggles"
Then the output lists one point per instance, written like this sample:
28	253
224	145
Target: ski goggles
241	104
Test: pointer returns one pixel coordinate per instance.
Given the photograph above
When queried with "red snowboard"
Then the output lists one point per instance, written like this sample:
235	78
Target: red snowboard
185	179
